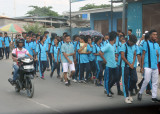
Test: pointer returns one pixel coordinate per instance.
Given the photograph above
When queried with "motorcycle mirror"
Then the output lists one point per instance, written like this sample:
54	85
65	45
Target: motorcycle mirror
14	55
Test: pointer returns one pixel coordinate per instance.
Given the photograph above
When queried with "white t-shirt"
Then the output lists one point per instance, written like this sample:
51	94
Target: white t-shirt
20	53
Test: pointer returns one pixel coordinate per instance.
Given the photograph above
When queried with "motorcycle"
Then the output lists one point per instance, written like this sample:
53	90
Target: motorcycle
25	77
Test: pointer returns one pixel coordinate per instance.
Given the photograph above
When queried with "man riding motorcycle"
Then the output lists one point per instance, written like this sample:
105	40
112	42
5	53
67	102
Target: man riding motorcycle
20	52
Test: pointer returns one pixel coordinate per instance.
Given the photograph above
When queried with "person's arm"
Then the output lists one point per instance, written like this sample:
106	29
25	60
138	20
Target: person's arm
14	59
101	55
53	57
143	55
134	58
157	56
66	56
125	60
29	55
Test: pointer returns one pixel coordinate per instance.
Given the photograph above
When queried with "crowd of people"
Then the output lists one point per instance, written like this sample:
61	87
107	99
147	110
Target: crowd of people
107	60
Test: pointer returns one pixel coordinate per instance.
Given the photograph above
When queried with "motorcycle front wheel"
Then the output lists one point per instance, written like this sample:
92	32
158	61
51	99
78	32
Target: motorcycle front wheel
29	87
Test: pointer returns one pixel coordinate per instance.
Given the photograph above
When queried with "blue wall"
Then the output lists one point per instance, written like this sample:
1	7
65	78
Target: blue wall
135	18
105	16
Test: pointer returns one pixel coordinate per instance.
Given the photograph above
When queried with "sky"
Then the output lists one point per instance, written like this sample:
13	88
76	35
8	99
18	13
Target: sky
22	6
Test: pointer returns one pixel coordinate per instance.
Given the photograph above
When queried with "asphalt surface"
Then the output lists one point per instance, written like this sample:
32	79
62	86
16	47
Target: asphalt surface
52	96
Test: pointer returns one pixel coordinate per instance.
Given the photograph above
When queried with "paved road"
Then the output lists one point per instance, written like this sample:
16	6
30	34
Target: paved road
52	96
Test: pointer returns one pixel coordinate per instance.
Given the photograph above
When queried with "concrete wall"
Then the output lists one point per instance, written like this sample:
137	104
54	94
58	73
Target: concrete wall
105	16
60	31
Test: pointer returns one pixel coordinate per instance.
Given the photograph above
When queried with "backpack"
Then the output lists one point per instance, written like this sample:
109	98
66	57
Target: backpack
8	39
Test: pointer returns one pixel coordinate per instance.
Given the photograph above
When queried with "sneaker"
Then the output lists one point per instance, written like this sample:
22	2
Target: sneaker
100	84
111	92
75	81
51	75
61	79
127	100
155	100
148	92
80	81
69	82
42	77
109	95
48	69
130	98
120	93
139	97
66	83
58	76
105	92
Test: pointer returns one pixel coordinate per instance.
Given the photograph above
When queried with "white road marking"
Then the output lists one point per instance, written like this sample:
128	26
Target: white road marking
43	105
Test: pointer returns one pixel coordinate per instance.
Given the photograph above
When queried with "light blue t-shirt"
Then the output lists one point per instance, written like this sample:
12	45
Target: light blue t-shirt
83	58
1	40
129	51
30	47
7	41
159	54
41	50
141	46
67	48
54	50
47	42
152	57
96	50
91	56
109	55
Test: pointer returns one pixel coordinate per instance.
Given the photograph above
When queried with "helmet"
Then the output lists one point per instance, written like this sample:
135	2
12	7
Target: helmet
20	40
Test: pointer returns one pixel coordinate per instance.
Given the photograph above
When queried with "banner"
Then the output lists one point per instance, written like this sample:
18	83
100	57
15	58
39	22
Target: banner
76	1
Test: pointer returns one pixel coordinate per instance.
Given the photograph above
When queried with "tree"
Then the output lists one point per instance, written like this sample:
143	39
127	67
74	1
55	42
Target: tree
42	11
35	28
93	6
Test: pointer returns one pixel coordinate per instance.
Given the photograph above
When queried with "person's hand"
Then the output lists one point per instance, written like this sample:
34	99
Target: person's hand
131	66
91	45
75	62
105	62
142	70
116	59
70	62
54	59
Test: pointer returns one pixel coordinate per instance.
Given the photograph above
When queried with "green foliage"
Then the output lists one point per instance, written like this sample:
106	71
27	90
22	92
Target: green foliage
42	11
93	6
35	28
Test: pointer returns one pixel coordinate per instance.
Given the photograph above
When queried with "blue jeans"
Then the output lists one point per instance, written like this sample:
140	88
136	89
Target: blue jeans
16	68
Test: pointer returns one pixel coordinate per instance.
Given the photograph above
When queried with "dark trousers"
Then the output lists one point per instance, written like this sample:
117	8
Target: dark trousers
7	52
99	67
119	70
50	59
129	79
0	53
84	67
42	67
56	66
110	78
93	68
77	71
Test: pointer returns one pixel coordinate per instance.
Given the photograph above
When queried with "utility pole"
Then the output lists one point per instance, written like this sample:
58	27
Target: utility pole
70	18
124	16
111	15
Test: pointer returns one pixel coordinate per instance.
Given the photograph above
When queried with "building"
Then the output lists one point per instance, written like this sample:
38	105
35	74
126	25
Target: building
141	15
